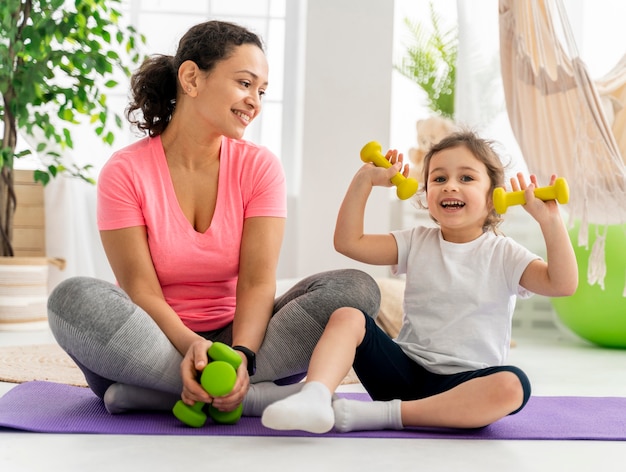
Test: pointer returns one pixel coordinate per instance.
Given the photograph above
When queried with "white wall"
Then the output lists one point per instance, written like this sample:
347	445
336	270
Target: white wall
408	101
347	90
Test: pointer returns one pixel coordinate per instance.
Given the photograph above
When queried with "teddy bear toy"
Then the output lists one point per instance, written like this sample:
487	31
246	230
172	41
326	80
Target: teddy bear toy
429	131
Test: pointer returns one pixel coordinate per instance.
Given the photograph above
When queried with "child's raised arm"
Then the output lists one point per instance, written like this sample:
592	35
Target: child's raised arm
349	240
558	275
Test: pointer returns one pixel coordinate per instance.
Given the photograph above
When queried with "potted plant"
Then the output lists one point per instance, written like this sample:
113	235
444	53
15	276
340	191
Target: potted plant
57	58
430	62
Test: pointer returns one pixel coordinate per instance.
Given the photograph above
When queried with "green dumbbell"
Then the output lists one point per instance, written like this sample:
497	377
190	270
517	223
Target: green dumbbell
218	378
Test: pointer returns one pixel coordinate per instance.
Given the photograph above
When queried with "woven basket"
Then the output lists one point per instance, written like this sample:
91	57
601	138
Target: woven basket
24	288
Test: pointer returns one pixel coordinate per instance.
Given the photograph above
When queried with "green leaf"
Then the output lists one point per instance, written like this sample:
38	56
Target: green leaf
68	138
41	176
26	152
430	61
67	115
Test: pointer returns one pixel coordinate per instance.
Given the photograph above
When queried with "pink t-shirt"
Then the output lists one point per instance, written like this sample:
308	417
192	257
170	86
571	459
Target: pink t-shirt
197	271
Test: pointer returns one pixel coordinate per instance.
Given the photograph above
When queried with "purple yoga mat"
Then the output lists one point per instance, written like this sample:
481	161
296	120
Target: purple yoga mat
47	407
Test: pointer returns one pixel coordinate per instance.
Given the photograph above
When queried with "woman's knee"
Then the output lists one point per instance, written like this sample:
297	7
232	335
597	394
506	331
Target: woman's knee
67	293
77	298
359	289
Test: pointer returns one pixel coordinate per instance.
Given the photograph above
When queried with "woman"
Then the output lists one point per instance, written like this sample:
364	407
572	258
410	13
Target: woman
192	219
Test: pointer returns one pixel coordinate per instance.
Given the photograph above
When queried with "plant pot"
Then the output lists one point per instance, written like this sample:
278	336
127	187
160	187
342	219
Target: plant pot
24	289
29	224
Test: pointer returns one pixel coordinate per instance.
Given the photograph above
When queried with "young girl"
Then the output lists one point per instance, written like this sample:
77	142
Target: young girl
446	368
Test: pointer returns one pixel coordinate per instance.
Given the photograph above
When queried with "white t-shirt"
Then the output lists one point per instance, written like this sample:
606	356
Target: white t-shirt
459	298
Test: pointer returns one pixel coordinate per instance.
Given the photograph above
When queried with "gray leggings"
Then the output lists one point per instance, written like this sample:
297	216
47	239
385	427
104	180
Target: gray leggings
113	340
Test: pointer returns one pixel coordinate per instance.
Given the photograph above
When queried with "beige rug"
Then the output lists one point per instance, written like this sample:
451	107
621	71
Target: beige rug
39	362
49	362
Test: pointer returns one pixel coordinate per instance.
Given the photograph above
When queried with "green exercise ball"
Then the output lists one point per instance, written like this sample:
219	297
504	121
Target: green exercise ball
597	315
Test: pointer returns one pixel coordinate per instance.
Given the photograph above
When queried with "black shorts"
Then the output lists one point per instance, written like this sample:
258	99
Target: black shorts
387	373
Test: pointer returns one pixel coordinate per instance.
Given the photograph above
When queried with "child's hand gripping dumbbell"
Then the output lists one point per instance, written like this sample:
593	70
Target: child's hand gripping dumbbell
559	192
218	378
406	187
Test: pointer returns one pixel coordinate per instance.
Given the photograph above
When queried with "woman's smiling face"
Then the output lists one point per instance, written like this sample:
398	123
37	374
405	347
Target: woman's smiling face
458	193
230	94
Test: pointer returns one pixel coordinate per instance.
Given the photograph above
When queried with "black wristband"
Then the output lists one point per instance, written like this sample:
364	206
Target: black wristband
250	356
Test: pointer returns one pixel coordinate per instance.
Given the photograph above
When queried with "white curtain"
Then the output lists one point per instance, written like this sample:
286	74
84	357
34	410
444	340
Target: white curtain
70	209
479	91
72	232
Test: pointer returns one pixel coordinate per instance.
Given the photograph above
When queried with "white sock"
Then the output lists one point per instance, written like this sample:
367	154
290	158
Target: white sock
310	410
120	398
355	415
261	395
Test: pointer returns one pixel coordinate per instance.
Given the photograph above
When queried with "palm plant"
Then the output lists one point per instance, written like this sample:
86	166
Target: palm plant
57	58
430	61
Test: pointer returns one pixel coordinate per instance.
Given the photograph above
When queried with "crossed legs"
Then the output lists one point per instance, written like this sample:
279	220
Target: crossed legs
470	400
130	363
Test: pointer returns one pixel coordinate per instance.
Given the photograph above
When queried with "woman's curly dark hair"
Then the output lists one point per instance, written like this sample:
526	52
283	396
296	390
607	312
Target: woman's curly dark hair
154	86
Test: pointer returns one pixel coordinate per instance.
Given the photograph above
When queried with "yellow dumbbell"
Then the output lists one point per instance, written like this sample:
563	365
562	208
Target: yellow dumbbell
559	192
406	187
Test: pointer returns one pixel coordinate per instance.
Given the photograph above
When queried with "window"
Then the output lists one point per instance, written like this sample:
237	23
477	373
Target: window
163	22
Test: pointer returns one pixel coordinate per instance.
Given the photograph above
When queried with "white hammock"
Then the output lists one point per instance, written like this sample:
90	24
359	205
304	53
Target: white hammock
563	121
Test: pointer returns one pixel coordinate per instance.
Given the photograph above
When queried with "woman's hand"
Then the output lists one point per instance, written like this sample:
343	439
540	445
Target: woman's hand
194	362
235	397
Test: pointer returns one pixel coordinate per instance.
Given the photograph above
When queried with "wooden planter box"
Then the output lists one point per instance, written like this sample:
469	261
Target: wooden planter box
24	278
29	228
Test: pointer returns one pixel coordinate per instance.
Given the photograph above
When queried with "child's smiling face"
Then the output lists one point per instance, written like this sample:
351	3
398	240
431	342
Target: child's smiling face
458	193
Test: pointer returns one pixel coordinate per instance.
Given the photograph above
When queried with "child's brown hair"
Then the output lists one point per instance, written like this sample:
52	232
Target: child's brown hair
482	149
